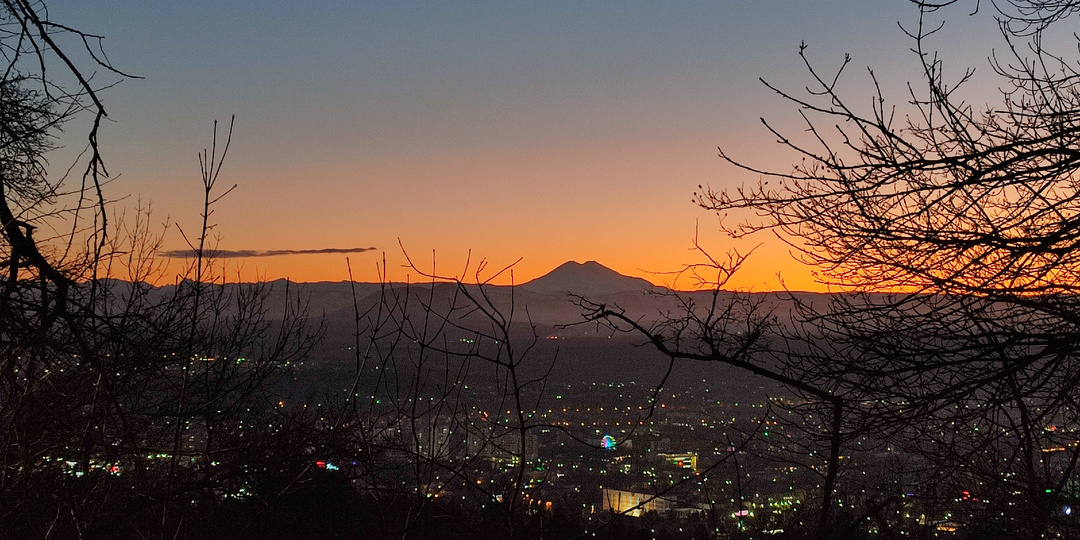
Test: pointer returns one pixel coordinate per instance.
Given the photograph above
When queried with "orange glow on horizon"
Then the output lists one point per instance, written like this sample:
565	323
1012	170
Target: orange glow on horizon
769	268
624	203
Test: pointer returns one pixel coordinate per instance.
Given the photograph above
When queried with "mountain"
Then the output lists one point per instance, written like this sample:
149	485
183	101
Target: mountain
586	279
540	308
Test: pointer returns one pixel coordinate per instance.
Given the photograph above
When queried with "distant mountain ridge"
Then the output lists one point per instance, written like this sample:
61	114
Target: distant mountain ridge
588	278
540	308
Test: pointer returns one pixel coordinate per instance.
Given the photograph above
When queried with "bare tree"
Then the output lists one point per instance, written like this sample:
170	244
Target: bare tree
446	390
122	400
740	331
103	381
953	229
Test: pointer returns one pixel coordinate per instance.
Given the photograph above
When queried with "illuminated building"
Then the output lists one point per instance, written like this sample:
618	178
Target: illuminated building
685	460
634	504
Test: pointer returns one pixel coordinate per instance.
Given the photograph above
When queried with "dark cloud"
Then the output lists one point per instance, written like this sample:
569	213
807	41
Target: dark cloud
245	253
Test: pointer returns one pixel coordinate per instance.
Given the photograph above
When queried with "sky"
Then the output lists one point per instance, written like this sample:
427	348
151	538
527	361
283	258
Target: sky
497	131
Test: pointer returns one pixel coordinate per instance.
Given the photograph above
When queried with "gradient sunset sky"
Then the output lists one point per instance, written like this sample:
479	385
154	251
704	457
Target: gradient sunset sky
547	131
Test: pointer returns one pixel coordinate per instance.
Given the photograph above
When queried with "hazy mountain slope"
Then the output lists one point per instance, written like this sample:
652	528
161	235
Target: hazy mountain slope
589	278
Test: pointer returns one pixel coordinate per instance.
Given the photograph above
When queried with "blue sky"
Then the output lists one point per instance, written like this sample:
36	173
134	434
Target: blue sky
546	130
